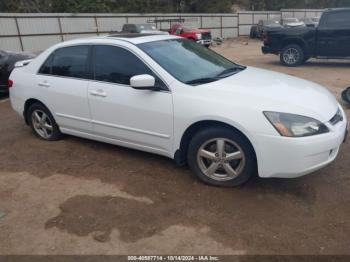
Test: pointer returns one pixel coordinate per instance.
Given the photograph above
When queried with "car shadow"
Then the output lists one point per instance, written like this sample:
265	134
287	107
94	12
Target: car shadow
3	96
318	63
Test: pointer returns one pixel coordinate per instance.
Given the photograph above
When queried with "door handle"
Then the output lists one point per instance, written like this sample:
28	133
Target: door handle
44	84
99	93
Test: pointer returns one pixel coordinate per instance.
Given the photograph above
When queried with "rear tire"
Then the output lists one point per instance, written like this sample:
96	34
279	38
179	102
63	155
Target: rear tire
221	156
292	55
346	95
42	123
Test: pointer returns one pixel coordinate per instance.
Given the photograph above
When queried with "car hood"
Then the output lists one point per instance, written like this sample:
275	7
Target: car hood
270	91
197	31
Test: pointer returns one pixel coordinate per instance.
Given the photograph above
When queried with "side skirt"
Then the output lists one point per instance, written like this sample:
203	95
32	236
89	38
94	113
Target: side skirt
153	150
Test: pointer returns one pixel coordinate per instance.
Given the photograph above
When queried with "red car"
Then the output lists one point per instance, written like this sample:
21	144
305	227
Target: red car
201	36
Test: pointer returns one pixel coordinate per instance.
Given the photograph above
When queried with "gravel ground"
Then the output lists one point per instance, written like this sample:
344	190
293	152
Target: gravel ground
82	197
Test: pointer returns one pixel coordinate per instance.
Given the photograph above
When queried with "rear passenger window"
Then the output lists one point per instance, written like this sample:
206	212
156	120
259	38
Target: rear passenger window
68	62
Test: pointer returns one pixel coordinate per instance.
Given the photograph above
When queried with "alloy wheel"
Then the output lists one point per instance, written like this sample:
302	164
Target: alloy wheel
42	124
221	159
291	56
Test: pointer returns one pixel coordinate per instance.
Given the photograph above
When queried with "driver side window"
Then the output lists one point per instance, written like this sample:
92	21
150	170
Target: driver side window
117	65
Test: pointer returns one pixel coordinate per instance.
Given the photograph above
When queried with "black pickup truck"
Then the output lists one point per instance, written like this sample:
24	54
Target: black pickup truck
329	40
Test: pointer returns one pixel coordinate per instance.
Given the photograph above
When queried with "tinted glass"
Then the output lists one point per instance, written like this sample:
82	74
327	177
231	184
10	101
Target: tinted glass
146	27
46	67
340	19
272	22
129	28
71	62
117	65
186	60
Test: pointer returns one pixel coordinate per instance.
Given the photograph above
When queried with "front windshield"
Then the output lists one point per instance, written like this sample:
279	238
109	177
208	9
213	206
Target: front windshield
189	62
272	22
291	20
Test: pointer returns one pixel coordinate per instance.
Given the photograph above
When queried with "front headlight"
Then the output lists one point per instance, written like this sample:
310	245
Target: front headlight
199	36
291	125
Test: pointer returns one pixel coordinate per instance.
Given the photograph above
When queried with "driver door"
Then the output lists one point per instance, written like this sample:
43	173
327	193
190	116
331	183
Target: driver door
141	119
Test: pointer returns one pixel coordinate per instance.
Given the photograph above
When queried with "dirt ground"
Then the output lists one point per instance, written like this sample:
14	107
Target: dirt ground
82	197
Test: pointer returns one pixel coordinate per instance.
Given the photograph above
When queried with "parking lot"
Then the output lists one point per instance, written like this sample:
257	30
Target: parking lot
77	196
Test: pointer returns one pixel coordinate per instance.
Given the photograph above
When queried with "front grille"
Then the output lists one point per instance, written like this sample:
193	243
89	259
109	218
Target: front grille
338	117
206	36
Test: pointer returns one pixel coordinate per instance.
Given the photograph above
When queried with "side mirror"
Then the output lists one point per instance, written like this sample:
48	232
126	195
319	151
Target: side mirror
143	82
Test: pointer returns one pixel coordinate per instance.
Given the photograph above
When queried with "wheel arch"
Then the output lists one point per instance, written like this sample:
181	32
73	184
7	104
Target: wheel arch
181	152
295	41
27	105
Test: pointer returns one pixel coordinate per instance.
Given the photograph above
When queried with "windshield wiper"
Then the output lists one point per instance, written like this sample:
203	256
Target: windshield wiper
203	80
231	71
223	74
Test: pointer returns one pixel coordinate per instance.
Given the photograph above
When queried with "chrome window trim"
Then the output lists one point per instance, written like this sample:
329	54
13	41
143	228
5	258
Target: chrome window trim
94	80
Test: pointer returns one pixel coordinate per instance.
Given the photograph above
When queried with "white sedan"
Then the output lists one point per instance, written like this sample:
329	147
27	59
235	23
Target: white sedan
170	96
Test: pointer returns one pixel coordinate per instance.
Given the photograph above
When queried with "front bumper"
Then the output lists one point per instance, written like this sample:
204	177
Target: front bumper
204	42
285	157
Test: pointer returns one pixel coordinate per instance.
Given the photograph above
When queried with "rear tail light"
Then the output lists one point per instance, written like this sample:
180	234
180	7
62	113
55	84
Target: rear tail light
9	83
265	38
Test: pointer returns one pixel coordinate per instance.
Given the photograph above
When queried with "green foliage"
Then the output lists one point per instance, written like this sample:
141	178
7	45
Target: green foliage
159	6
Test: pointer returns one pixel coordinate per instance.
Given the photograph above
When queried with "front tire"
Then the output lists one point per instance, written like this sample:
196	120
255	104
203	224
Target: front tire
292	55
42	123
221	157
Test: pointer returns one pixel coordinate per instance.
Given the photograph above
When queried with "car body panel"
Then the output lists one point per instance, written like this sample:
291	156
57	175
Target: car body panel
323	41
155	121
74	113
141	117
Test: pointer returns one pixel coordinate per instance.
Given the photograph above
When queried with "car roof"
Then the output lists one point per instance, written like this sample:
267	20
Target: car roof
337	9
137	38
133	38
130	35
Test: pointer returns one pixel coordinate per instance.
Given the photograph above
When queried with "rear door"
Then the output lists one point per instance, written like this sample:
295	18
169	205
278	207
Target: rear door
333	36
63	82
